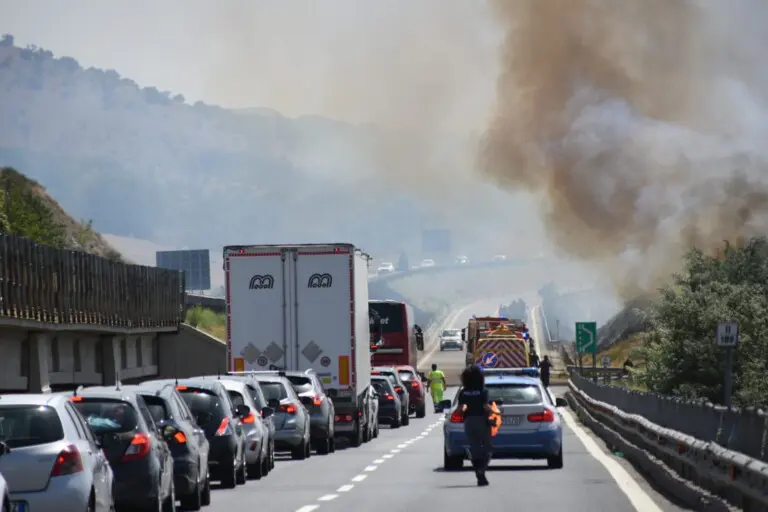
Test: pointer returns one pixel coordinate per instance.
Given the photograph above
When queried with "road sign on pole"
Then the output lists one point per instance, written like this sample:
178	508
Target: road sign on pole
728	337
606	361
586	337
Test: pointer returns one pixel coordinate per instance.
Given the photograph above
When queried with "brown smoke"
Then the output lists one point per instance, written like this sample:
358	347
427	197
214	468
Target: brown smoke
624	117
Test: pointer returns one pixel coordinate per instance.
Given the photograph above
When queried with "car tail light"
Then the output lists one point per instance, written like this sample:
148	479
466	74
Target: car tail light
180	438
343	418
181	388
224	428
545	416
251	418
288	408
457	416
389	397
318	399
399	389
68	462
76	399
138	449
415	384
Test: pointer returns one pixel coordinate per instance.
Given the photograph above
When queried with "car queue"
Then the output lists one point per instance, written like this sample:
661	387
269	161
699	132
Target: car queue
160	444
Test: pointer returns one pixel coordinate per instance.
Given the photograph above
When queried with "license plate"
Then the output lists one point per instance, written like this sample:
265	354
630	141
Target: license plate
510	420
19	506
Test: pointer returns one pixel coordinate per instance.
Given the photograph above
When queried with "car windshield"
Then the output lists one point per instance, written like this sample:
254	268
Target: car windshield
451	333
406	375
300	384
515	394
29	425
273	391
157	407
108	416
203	401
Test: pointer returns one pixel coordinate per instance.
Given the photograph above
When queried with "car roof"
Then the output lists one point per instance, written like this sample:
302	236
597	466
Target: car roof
155	387
125	393
31	399
194	382
271	378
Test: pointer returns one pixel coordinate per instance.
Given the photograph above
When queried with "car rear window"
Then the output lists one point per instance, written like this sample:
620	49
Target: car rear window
236	397
515	394
108	416
202	400
273	390
157	407
300	384
381	386
405	375
256	397
29	425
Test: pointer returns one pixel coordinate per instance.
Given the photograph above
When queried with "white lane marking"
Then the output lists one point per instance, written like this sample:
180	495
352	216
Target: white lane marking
426	432
359	478
378	461
637	496
328	497
307	508
396	450
345	488
401	446
387	456
370	468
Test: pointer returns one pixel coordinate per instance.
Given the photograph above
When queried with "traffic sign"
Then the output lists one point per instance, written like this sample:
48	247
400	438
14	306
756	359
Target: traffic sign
490	360
728	334
586	337
606	361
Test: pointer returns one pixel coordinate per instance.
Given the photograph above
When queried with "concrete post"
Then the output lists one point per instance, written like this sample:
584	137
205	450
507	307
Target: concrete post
39	353
111	362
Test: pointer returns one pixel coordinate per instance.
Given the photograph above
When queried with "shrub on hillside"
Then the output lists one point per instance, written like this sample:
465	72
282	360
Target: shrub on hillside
681	354
25	212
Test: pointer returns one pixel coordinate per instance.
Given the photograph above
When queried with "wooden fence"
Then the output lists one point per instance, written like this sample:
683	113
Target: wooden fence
55	286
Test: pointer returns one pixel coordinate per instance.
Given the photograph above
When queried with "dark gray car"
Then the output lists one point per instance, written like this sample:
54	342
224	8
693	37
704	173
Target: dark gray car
292	423
321	411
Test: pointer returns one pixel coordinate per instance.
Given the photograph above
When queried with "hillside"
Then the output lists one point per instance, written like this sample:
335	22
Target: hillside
29	211
144	163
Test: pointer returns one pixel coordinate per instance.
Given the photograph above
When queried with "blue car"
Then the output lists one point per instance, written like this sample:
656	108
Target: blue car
531	428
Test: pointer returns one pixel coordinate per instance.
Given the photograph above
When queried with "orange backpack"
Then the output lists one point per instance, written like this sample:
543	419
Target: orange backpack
495	419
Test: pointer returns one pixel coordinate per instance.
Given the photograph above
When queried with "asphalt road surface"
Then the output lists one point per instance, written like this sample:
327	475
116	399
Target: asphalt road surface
402	471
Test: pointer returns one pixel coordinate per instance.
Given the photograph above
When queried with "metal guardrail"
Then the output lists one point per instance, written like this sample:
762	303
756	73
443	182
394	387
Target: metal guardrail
687	442
55	286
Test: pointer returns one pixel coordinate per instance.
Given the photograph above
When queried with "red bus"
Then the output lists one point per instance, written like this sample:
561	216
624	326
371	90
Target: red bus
398	344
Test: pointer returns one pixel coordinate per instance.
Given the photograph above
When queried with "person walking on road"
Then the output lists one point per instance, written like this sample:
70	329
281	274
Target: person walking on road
473	400
534	359
545	367
436	380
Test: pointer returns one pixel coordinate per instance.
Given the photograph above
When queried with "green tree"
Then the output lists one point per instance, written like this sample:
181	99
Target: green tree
26	213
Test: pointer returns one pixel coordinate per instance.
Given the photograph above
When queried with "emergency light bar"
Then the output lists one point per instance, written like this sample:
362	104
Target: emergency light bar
512	372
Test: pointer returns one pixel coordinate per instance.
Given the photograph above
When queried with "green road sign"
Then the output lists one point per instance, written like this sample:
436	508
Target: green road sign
586	337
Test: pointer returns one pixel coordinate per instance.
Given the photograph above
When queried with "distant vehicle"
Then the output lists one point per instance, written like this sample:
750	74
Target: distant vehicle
300	307
390	408
222	423
531	426
451	339
399	343
133	445
292	419
49	457
500	257
427	263
416	391
385	268
399	386
321	411
462	260
187	442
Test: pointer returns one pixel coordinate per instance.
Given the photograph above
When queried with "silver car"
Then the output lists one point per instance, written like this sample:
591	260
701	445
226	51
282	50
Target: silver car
5	499
451	338
50	457
257	444
291	416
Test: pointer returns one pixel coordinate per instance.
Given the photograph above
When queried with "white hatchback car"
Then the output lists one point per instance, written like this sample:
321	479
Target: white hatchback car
50	457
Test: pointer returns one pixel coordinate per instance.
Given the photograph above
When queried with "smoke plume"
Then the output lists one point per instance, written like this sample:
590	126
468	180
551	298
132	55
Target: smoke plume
640	123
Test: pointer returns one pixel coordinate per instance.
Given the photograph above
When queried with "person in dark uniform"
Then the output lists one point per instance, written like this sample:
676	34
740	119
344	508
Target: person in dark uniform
534	359
473	400
545	367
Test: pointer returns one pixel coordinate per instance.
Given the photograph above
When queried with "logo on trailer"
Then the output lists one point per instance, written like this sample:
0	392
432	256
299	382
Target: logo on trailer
259	282
320	281
263	361
325	361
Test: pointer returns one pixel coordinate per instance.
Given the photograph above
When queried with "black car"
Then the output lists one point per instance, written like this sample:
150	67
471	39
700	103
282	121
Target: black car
390	408
399	386
141	461
186	440
222	424
321	420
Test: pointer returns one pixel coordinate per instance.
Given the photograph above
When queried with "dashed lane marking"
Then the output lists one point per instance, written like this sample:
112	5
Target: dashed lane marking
345	488
328	497
359	478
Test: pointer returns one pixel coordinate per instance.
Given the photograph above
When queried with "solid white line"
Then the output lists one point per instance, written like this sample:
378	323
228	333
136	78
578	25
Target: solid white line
359	478
328	497
345	488
307	508
378	461
370	468
637	496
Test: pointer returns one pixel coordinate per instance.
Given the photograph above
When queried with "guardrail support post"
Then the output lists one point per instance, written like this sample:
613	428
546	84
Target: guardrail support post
39	352
111	362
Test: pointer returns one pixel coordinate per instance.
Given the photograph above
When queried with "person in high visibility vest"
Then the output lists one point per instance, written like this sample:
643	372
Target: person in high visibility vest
436	381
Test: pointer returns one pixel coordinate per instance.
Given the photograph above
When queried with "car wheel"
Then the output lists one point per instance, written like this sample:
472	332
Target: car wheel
332	444
300	452
556	462
91	504
376	429
406	419
366	434
452	462
395	423
256	471
193	501
242	472
357	436
323	446
229	479
272	456
421	411
206	496
170	502
265	465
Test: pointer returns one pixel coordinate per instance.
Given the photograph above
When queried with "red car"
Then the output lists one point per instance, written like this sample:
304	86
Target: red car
416	390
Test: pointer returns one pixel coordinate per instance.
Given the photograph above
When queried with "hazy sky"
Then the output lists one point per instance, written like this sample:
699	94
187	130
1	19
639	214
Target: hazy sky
430	62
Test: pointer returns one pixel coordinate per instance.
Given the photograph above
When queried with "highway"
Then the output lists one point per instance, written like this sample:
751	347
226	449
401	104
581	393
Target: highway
402	471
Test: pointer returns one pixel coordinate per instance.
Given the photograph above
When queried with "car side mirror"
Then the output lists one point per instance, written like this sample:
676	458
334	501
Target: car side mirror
332	393
463	335
307	401
273	403
443	405
266	412
167	431
242	410
561	402
203	418
376	395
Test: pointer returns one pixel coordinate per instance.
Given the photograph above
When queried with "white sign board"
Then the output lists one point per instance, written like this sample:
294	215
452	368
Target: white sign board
606	361
728	334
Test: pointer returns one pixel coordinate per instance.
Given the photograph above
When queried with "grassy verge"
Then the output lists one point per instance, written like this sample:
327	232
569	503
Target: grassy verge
208	321
618	352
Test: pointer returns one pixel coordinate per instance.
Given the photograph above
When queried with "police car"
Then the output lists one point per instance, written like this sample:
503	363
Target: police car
532	427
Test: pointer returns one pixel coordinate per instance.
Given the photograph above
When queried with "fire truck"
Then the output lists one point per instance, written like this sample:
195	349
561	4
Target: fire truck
478	327
503	347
